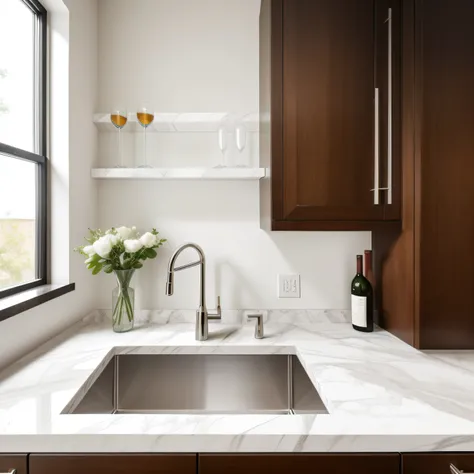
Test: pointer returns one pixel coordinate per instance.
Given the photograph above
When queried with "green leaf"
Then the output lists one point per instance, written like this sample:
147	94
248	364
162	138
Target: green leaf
92	261
160	243
138	265
151	253
108	269
97	269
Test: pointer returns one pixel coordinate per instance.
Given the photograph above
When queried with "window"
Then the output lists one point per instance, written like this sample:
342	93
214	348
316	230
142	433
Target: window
23	163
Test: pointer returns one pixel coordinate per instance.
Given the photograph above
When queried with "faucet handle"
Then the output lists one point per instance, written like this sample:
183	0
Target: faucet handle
258	324
218	314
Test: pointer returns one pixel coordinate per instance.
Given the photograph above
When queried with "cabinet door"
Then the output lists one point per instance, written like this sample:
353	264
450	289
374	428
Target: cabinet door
11	462
388	72
299	463
437	463
444	162
324	146
112	464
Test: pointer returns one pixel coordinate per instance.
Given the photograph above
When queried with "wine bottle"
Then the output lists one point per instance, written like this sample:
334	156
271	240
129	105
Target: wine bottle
368	269
362	306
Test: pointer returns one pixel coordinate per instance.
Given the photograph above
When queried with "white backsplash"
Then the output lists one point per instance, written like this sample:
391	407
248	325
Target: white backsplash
203	56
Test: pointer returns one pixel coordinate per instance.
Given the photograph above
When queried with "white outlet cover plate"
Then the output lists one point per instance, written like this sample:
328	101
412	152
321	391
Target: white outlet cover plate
289	286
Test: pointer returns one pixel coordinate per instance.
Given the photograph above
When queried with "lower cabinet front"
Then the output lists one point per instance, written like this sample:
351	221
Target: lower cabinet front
112	464
431	463
368	463
299	463
17	463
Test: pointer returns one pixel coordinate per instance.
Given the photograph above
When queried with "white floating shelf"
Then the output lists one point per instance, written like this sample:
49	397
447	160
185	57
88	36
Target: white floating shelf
180	173
187	122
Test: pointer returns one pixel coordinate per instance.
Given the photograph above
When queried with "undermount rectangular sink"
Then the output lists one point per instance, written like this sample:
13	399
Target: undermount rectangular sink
200	384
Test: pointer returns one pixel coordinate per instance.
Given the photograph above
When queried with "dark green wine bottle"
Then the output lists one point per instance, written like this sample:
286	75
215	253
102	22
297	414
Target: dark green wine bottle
362	301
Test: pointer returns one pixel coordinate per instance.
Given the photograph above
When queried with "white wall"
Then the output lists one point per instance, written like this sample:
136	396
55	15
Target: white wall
73	75
202	56
174	56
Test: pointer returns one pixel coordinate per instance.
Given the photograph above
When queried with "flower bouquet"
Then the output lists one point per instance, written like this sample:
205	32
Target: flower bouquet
120	251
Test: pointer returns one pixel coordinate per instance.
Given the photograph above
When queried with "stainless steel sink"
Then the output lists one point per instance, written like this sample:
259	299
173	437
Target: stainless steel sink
201	384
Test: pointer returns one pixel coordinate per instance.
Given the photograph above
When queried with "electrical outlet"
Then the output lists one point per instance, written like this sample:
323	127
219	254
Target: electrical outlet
289	286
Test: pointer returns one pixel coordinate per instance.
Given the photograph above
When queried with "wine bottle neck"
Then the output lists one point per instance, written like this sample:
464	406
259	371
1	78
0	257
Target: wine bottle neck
359	264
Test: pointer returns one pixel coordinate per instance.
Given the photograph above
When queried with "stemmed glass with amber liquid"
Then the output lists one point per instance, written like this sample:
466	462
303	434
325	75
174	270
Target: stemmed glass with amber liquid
145	119
119	119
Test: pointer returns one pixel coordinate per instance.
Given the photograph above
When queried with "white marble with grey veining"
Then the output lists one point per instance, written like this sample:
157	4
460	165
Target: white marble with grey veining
180	173
382	395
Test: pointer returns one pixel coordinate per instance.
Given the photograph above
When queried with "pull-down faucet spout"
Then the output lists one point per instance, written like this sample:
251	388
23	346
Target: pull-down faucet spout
202	315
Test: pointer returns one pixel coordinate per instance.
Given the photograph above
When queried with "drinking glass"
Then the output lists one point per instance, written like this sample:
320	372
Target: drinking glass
119	119
223	143
145	119
241	140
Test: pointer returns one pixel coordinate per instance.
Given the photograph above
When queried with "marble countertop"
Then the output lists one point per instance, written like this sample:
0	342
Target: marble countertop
381	394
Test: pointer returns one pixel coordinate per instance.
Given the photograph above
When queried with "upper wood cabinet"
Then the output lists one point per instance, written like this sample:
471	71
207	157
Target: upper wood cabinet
112	464
325	68
299	463
17	463
430	263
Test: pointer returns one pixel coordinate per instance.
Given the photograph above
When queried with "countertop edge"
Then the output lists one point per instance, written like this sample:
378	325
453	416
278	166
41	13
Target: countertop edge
246	443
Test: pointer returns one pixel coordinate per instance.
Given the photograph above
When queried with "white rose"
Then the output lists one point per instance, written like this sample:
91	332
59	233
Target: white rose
132	246
148	240
113	239
126	232
89	250
103	246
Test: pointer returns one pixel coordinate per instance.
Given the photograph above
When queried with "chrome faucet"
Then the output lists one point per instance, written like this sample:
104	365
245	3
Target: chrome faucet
259	333
202	316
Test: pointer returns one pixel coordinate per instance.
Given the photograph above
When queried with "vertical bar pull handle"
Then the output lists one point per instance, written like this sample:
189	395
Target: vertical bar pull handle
390	113
376	189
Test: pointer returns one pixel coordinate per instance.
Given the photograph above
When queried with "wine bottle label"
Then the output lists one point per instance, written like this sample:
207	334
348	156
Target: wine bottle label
359	310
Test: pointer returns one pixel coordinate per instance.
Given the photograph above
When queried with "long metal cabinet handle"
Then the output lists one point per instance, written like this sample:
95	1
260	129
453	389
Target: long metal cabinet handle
376	189
455	470
390	114
11	471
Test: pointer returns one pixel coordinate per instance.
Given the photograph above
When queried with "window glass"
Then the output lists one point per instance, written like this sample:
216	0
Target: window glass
17	74
17	221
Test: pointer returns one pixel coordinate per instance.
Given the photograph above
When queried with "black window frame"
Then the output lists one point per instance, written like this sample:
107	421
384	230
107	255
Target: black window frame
40	158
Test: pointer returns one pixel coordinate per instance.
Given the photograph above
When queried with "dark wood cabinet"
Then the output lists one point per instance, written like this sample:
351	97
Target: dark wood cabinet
337	463
438	463
425	271
17	463
323	65
300	463
112	464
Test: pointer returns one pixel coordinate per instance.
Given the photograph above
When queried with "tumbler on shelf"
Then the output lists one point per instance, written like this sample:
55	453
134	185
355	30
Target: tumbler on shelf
119	119
145	119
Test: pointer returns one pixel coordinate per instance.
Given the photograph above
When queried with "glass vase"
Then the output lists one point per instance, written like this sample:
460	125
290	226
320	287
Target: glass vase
123	302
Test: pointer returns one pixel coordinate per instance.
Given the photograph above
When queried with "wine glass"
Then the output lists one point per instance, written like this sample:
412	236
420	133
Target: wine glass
119	119
223	143
145	119
241	139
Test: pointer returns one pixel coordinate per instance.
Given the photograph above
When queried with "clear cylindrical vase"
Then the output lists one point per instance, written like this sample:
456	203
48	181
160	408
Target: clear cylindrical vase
123	302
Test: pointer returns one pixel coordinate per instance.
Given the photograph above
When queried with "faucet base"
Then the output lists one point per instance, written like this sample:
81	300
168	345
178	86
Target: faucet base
202	325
